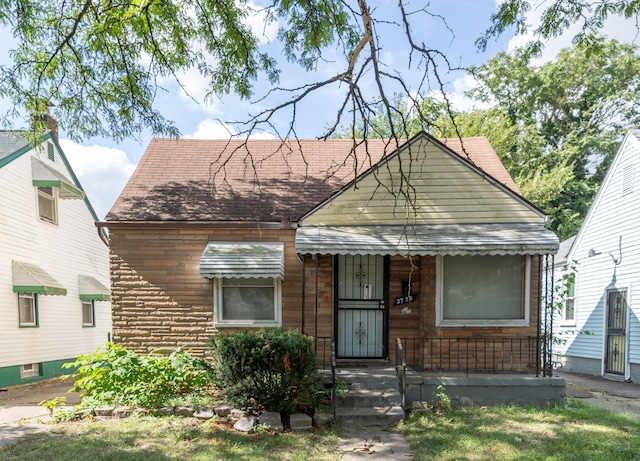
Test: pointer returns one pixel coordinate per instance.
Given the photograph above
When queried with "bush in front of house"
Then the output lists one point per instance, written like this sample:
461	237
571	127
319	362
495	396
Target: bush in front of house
115	375
270	369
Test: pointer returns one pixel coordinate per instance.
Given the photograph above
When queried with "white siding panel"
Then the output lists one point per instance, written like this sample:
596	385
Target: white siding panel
65	250
443	191
612	229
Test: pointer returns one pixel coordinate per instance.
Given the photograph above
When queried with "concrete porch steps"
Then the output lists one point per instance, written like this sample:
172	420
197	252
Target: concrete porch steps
371	397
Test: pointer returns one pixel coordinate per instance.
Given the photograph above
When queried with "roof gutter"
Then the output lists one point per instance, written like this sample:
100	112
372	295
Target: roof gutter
200	224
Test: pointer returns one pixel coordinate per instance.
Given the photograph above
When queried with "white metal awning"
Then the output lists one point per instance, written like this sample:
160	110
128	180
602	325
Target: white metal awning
45	176
436	239
29	278
242	260
91	289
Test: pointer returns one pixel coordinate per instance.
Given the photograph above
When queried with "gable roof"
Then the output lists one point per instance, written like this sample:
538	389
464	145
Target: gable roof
629	146
261	180
14	144
11	142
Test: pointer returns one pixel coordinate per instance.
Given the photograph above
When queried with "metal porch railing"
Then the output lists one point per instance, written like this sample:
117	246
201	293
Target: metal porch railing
481	355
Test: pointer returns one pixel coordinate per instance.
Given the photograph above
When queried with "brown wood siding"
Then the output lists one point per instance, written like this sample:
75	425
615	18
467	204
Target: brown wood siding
160	302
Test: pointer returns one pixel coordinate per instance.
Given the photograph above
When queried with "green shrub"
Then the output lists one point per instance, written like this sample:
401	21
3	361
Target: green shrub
271	369
117	376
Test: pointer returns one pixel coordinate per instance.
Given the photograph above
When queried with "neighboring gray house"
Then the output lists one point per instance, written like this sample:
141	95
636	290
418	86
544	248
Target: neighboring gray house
54	268
599	320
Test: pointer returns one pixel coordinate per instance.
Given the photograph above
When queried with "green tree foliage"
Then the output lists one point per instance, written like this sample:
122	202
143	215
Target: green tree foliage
116	376
556	17
555	126
566	119
271	369
99	65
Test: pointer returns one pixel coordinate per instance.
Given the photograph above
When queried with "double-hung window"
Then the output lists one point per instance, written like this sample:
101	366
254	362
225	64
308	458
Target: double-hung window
247	282
569	308
28	309
47	205
88	313
491	290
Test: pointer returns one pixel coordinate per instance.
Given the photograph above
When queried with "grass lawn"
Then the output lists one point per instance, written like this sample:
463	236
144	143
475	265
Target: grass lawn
575	432
171	438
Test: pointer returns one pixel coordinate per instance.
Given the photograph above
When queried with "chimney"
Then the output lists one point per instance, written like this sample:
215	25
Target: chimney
45	121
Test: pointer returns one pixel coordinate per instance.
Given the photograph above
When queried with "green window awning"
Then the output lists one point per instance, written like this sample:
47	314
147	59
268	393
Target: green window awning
242	260
91	289
29	278
45	176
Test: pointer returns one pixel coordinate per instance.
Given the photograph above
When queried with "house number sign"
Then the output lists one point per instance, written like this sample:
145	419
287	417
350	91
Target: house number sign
406	299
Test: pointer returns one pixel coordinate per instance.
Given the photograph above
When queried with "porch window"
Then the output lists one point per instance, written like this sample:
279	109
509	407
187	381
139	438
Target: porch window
27	310
490	290
245	302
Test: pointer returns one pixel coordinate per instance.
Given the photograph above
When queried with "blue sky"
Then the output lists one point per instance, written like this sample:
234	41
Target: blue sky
103	166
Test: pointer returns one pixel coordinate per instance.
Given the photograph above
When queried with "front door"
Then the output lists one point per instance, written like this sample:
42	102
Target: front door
361	322
615	354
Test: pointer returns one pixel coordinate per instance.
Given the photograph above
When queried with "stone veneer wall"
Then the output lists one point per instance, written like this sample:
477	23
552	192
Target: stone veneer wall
160	302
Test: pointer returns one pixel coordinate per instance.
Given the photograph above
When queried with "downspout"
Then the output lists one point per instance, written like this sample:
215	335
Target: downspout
317	299
100	226
304	284
550	303
539	326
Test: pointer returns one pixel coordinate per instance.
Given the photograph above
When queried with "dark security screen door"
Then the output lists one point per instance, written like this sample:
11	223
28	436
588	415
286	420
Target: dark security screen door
361	316
615	357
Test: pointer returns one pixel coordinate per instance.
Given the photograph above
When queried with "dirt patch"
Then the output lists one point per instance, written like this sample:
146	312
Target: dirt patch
32	394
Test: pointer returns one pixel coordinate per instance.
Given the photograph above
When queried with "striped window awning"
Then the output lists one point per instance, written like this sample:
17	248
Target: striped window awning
29	278
91	289
45	176
242	260
436	239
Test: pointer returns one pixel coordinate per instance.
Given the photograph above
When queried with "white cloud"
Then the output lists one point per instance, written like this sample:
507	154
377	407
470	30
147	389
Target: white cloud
102	171
619	28
459	101
213	129
265	32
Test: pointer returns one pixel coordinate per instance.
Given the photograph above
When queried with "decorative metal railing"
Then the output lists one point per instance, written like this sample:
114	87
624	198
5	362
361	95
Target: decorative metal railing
401	372
490	355
333	377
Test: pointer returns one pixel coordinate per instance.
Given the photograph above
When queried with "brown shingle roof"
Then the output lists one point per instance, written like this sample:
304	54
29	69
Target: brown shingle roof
257	180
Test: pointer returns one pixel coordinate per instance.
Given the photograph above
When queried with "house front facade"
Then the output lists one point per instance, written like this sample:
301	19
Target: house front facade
54	267
598	319
359	244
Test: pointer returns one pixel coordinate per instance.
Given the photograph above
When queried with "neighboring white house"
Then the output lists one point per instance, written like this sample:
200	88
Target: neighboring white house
54	267
599	322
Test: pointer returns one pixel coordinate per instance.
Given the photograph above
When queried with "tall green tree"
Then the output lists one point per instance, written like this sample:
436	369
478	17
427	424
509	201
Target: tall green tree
99	65
567	118
556	126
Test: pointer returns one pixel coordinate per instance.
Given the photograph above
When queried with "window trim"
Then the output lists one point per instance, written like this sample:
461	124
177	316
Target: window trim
217	307
92	303
40	193
563	316
522	322
36	322
34	371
